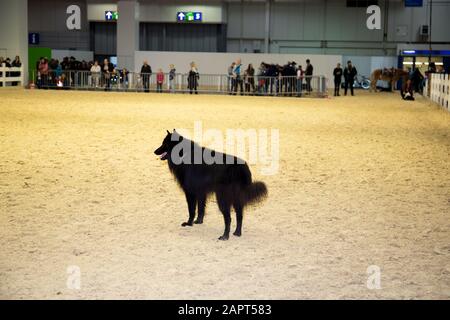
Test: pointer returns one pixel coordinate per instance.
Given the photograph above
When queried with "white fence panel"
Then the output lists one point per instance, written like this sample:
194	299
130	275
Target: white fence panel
6	78
440	90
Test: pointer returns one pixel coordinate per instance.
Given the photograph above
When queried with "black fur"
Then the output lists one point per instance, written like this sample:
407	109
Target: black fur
231	182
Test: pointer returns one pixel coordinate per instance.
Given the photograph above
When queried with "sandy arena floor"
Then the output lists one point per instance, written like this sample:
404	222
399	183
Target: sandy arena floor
363	181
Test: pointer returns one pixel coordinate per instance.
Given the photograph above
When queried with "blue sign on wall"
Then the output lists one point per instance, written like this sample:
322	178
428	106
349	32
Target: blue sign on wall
427	52
111	15
413	3
189	16
33	38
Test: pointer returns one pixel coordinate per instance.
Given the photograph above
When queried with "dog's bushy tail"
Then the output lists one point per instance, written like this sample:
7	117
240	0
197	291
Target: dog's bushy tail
255	192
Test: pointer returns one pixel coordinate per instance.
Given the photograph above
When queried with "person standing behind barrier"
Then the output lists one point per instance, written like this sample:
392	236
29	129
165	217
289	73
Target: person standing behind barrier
1	73
193	77
124	81
262	78
237	77
95	74
292	78
279	79
16	64
107	70
58	72
271	74
146	73
308	75
349	77
65	65
43	72
300	76
337	73
159	80
231	81
7	64
53	71
172	74
250	79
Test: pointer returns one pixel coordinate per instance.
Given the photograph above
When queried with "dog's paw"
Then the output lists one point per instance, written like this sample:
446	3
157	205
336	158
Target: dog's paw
223	238
237	234
198	221
186	224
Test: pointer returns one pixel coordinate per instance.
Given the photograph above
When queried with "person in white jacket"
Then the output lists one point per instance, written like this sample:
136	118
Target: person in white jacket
95	73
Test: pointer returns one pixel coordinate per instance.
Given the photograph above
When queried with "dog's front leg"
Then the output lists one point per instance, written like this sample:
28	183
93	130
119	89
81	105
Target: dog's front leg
191	201
201	209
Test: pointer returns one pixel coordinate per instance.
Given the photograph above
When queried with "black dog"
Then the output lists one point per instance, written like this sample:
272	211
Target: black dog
227	176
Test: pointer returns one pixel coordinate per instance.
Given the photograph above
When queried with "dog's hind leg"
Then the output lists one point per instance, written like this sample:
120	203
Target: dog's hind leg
192	202
225	208
227	220
239	215
201	209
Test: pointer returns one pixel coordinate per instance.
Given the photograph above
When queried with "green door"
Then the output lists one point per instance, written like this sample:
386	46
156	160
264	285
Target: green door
33	57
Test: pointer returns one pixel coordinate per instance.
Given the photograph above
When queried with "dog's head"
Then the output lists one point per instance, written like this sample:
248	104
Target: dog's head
169	142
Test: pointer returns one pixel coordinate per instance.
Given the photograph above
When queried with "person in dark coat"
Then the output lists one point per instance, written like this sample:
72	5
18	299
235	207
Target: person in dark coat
308	75
250	79
65	64
289	71
4	63
271	74
279	79
231	80
350	73
193	77
146	73
107	70
74	66
7	63
16	64
337	73
417	81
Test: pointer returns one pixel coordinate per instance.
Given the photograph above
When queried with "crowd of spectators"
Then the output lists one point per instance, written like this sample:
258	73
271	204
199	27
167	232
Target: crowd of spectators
289	79
71	73
268	78
274	79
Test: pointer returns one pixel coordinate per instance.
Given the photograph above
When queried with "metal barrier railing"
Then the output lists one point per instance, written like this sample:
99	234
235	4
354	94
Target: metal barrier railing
205	83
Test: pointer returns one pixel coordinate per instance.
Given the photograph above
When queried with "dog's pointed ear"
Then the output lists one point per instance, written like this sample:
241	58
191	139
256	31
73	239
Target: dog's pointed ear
168	132
174	130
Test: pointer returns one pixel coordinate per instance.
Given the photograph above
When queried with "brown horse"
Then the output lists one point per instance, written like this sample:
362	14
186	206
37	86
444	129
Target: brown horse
391	75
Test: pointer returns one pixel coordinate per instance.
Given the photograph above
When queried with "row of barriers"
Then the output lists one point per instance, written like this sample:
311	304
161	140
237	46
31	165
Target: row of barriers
315	86
438	89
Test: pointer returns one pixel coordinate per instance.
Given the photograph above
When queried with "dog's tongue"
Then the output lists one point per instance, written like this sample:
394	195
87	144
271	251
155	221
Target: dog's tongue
163	155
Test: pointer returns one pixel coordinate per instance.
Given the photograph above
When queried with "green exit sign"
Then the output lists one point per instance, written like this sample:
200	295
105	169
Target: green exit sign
189	16
111	15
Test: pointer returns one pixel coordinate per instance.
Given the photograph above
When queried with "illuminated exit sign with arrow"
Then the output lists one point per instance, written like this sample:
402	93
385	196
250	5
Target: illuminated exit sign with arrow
189	16
111	15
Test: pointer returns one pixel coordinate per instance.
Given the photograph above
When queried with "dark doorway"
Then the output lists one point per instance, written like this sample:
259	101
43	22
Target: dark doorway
182	37
103	38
